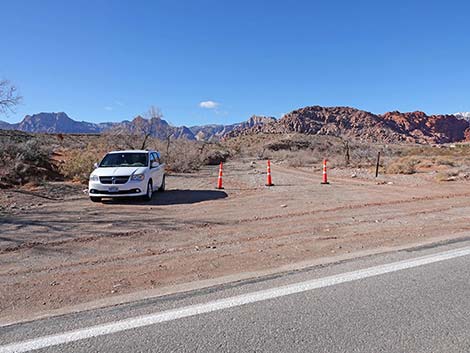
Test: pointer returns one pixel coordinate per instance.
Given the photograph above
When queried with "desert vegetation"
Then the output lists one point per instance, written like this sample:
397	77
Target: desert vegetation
9	97
27	158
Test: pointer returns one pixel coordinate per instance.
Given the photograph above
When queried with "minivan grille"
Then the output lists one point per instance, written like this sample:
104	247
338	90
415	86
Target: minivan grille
114	179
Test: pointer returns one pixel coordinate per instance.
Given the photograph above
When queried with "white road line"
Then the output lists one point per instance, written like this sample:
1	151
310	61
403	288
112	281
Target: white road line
169	315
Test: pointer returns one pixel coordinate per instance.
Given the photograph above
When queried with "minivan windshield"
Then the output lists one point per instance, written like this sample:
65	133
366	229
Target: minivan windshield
125	160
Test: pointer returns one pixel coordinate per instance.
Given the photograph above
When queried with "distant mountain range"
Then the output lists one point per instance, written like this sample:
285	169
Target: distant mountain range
346	122
55	123
62	123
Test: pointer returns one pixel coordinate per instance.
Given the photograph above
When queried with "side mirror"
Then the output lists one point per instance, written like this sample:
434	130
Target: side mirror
96	165
154	164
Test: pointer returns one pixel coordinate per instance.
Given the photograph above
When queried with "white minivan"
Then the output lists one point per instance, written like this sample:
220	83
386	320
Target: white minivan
127	173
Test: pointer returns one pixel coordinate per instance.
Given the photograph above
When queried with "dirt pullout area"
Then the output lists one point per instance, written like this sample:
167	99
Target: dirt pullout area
58	251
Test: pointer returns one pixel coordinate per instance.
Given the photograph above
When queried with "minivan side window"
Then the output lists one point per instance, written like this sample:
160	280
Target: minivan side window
155	157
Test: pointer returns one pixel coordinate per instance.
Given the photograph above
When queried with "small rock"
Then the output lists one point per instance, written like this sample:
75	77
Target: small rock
353	175
390	183
283	206
54	283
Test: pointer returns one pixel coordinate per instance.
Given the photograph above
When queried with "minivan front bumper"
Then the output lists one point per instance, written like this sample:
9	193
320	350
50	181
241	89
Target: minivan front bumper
131	188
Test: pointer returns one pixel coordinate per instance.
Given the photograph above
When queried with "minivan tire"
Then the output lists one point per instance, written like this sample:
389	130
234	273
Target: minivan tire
162	187
149	194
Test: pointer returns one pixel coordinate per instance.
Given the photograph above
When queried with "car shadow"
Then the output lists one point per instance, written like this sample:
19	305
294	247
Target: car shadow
172	197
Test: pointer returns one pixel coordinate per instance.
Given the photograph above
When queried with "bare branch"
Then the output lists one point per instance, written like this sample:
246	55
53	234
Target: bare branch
9	97
145	141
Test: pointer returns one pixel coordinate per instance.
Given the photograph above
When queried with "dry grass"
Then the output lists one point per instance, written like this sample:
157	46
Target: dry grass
446	176
299	150
78	164
402	165
450	162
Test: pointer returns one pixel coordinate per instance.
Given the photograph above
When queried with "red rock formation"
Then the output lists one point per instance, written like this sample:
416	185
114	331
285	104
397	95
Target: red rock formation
428	129
393	127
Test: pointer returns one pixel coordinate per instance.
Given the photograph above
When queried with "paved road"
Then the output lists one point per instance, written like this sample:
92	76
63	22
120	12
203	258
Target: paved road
410	301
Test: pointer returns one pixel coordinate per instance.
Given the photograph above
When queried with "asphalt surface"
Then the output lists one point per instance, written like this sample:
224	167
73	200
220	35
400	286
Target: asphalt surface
420	309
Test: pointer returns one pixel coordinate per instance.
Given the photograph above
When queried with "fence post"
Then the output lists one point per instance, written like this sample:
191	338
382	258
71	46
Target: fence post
377	165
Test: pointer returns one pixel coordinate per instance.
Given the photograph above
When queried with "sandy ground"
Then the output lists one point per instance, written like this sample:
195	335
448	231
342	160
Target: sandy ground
59	249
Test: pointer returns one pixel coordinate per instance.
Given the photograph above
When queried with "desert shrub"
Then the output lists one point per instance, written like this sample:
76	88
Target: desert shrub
183	156
441	160
446	176
288	144
214	157
179	155
402	165
25	161
78	164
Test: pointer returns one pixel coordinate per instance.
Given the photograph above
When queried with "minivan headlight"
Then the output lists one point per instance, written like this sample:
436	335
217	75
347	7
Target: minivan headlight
138	177
94	178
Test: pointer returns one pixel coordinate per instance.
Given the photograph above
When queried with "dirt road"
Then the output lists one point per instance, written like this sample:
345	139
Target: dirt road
57	254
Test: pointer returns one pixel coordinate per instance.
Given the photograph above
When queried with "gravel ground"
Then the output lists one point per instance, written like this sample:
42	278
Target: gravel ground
57	249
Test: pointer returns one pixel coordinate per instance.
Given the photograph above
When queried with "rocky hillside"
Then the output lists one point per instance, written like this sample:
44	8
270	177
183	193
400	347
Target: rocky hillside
421	128
393	127
155	127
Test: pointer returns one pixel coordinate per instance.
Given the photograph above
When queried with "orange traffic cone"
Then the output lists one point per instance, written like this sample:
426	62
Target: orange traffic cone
269	181
219	180
325	177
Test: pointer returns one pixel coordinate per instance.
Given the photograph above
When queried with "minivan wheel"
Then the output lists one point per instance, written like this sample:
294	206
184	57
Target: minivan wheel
162	187
95	199
149	194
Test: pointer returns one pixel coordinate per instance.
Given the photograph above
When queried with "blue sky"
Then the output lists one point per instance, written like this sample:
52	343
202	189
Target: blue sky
111	60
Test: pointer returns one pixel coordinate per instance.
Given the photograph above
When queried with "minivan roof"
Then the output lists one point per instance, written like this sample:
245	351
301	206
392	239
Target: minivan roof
132	151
